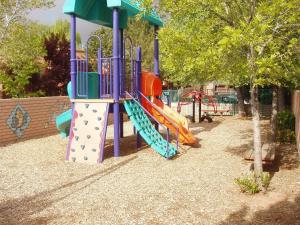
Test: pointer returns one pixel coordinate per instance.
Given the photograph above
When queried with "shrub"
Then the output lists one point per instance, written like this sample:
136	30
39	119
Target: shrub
286	120
286	127
248	184
265	180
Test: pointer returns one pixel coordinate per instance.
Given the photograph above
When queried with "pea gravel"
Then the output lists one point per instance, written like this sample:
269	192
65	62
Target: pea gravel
37	185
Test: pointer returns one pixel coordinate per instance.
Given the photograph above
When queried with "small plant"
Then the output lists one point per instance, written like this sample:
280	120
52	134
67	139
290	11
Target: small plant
265	180
248	184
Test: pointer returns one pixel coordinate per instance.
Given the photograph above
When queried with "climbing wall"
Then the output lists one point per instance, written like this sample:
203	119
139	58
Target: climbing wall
88	132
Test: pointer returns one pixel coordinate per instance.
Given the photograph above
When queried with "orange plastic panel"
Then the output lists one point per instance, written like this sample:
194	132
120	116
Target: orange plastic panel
151	84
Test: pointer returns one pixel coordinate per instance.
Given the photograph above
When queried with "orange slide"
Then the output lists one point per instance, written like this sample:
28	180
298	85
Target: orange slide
152	87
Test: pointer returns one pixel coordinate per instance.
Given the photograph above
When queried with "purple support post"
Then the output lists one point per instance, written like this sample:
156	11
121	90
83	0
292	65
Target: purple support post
122	77
116	82
156	51
138	85
73	55
73	73
100	70
156	60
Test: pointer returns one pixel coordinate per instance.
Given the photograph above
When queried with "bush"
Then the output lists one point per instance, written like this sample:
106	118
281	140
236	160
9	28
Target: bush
285	121
248	184
286	127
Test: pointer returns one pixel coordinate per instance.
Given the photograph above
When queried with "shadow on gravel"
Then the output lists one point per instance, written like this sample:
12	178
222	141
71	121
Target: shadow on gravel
23	211
203	126
286	158
127	147
283	213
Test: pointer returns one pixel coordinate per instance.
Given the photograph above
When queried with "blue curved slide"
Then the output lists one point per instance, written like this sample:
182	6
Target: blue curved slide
63	121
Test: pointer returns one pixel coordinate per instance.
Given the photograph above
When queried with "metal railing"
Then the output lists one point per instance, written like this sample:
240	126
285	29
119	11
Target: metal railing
82	78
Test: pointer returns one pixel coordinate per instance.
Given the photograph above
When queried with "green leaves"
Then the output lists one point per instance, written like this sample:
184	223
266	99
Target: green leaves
14	11
211	40
21	56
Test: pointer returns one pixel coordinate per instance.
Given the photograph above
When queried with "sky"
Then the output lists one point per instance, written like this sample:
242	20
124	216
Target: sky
49	16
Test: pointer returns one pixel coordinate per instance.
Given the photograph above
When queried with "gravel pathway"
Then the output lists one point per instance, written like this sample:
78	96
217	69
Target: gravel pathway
38	187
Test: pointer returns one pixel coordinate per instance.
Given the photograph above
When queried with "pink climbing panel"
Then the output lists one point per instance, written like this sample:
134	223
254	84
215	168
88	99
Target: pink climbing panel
88	132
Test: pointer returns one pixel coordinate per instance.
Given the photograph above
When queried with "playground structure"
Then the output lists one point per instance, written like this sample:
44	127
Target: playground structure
112	90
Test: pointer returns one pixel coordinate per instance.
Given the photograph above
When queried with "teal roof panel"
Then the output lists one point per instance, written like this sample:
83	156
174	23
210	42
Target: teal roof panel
100	11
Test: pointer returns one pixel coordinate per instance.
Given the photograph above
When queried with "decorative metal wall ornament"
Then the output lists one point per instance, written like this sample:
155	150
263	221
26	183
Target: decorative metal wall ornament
18	120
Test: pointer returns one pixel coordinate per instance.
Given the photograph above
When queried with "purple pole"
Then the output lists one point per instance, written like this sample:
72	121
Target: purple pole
122	77
156	60
116	82
73	73
138	85
73	55
100	70
156	51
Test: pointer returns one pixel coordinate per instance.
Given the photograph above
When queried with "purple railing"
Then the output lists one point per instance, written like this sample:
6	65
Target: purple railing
82	78
106	84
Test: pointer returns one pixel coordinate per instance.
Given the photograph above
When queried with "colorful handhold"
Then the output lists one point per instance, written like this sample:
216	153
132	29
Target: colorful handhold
82	147
76	138
80	114
94	110
87	105
97	128
88	136
86	122
73	159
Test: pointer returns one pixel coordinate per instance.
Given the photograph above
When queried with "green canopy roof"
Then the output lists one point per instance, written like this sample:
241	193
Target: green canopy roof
100	11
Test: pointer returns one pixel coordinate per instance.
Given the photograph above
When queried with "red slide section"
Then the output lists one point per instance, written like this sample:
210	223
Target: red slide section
152	87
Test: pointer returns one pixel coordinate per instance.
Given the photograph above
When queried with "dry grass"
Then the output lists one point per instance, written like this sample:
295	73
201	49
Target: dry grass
39	187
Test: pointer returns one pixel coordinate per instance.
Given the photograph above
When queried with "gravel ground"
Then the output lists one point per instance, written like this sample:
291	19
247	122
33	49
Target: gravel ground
39	187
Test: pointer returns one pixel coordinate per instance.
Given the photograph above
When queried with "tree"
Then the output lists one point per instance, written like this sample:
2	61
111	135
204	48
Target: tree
57	74
14	11
241	42
21	57
62	30
21	44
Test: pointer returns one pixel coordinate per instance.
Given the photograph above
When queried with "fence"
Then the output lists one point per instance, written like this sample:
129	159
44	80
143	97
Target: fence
296	110
26	118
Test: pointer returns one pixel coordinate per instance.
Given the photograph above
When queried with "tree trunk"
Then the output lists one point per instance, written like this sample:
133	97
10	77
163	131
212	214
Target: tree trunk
241	105
281	99
1	91
258	169
274	115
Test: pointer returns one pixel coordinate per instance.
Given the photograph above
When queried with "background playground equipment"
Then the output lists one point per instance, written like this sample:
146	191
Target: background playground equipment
112	89
208	105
